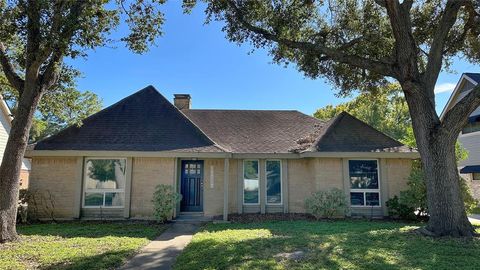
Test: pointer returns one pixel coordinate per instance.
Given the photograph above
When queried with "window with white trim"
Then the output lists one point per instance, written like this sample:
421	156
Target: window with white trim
364	183
273	173
475	176
251	181
104	182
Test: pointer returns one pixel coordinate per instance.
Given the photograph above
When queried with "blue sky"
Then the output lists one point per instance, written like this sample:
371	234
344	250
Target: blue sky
196	59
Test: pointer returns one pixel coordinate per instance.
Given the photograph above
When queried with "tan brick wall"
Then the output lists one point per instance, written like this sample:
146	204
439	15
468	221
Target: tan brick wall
308	175
147	173
398	171
473	184
300	183
57	175
213	197
24	177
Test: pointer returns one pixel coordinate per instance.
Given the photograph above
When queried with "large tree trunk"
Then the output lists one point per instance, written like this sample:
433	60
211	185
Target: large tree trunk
444	198
436	145
12	163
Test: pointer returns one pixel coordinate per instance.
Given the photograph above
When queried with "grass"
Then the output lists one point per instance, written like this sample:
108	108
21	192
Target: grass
346	244
76	245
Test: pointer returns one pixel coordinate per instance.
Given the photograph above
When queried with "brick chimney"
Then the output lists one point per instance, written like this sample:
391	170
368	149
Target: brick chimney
182	101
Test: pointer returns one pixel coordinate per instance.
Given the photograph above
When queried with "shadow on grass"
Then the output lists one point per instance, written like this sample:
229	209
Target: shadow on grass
327	245
94	229
107	260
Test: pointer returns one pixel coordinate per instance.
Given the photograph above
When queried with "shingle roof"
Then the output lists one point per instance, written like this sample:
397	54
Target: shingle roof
345	133
144	121
254	131
147	121
474	76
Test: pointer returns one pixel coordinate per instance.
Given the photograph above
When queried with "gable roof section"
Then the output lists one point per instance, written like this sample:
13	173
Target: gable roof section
255	131
345	133
144	121
473	78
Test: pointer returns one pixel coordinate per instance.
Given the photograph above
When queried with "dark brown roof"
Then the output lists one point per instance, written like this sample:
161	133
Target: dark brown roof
146	121
345	133
254	131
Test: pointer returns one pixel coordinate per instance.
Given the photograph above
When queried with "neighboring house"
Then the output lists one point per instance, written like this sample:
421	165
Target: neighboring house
221	161
6	121
470	135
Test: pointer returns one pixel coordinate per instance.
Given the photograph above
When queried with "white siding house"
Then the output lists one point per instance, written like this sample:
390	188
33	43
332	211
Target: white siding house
6	122
470	135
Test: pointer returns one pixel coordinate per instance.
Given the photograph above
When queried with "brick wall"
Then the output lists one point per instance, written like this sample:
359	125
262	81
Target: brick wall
57	176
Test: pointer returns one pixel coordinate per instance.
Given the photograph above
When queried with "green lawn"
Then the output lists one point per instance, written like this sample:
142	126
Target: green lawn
76	245
348	244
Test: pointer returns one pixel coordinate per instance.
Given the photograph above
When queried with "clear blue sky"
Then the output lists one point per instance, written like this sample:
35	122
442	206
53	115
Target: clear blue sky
196	59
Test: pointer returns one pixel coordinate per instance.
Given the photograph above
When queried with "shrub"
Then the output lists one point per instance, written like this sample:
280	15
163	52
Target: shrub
412	203
327	204
164	200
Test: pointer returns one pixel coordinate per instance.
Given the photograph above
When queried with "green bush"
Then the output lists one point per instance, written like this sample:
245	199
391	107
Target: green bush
412	203
327	204
164	201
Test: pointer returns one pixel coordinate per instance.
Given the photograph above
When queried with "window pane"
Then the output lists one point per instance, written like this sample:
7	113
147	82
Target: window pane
105	174
372	198
250	169
114	199
356	198
274	186
363	174
93	199
476	176
250	181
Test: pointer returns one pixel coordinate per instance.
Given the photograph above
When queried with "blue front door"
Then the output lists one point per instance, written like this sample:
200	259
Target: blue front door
191	186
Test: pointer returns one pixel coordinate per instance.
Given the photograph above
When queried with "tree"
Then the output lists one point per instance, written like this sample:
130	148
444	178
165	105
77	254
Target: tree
63	105
385	109
360	45
36	37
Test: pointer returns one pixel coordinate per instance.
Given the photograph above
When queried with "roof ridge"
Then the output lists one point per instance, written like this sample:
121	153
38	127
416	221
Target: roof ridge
100	112
328	129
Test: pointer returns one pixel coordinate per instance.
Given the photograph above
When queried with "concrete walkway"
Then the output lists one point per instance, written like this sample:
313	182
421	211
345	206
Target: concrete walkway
160	254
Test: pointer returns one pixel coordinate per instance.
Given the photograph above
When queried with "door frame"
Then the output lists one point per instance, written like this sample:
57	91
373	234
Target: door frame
181	163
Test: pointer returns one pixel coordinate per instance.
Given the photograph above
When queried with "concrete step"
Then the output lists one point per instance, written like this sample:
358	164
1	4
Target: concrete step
193	217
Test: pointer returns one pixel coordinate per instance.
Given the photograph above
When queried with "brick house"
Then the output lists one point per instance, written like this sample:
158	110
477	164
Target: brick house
221	161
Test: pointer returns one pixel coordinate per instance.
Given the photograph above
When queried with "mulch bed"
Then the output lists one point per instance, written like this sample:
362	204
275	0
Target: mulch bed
248	218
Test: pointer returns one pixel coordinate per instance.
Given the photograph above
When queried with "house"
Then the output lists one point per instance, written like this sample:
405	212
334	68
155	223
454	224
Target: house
6	124
470	135
221	161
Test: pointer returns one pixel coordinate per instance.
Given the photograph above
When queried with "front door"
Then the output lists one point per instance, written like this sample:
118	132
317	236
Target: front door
191	186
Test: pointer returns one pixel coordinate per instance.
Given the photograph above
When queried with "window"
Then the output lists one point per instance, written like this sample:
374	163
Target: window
475	176
104	182
273	172
364	183
250	182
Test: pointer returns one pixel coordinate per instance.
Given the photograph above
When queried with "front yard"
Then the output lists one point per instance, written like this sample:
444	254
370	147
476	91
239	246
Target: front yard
76	245
348	244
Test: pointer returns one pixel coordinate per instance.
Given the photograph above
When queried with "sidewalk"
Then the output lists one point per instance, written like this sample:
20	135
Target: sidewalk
160	254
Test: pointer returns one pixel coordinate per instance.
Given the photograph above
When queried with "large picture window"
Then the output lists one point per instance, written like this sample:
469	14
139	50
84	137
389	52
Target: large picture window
250	182
364	183
104	182
273	172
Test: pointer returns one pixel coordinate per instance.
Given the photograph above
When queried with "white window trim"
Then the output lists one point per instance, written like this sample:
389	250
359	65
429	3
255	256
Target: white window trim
281	184
85	190
366	190
243	181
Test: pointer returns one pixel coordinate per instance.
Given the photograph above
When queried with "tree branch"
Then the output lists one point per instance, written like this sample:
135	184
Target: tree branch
9	71
435	55
325	52
456	118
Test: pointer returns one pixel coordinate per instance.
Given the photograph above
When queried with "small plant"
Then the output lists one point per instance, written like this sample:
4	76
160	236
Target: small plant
327	204
164	200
